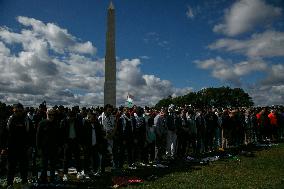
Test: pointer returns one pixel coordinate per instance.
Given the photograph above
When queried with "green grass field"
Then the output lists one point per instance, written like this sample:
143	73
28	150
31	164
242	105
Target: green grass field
264	170
250	167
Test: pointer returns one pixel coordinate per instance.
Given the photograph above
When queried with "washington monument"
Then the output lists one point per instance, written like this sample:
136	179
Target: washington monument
110	61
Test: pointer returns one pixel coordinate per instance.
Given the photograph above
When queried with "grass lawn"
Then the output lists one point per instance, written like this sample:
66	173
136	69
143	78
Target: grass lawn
264	170
250	167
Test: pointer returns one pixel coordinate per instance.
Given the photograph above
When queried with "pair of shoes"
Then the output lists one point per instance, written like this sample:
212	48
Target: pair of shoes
98	174
160	166
64	178
10	187
80	175
132	167
87	176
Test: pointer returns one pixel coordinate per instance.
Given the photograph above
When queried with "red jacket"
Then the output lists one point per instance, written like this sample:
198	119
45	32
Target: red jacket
273	119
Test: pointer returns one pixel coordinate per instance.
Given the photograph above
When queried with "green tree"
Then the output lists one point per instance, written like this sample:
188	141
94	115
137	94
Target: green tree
208	97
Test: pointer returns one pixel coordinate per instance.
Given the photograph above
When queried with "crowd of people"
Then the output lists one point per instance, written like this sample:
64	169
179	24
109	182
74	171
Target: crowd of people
91	139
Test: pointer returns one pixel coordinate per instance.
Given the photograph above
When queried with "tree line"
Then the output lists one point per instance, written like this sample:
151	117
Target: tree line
210	97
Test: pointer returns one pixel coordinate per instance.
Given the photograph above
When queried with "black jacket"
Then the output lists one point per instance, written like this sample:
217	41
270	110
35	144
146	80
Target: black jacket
124	132
17	132
87	134
79	130
47	136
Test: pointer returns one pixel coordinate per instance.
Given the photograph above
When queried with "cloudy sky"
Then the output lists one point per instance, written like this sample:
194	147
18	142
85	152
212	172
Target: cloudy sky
54	50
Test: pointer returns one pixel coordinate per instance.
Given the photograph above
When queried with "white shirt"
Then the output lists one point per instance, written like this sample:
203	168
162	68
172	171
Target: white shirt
107	122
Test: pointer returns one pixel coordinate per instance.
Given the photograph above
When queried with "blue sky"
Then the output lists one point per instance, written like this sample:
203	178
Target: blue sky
54	50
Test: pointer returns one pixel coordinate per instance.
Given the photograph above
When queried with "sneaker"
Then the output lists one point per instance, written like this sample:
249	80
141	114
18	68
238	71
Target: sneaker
79	176
83	173
160	166
132	167
64	179
10	187
190	158
87	176
98	174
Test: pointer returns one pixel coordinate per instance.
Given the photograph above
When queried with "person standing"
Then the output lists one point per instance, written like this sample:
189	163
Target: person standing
201	130
211	120
72	133
265	126
192	137
47	145
3	135
17	145
183	134
94	143
150	136
139	136
161	135
107	120
123	139
171	120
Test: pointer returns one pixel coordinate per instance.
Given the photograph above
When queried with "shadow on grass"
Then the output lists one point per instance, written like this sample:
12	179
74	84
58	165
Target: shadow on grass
120	178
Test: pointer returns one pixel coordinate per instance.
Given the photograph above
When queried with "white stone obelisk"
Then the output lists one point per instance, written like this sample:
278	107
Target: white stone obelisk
110	59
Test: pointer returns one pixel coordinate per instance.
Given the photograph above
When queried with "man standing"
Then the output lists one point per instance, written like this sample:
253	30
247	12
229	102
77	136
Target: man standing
139	136
94	145
171	121
72	136
161	135
107	120
47	144
17	145
124	139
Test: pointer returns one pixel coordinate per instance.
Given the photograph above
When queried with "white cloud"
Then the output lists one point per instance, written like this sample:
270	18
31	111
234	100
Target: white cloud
246	67
146	89
275	75
145	57
130	73
267	95
59	39
189	13
33	74
267	44
3	49
266	92
84	48
181	92
226	70
10	37
52	65
81	65
245	15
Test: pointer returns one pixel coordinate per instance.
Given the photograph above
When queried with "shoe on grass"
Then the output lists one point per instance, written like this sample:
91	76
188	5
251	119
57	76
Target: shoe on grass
64	178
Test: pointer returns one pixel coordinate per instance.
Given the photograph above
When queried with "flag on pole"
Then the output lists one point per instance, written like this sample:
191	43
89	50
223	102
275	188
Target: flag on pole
129	101
129	96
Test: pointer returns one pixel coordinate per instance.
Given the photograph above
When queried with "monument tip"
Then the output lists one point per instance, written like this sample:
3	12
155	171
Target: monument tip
111	6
